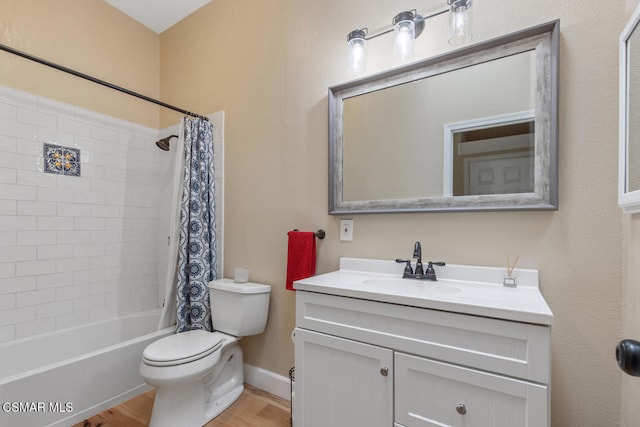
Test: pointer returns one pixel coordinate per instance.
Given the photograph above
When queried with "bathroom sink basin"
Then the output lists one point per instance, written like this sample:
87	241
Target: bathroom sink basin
419	288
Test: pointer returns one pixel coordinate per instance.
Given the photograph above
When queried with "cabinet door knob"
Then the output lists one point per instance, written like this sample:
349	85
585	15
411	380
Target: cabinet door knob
461	408
384	371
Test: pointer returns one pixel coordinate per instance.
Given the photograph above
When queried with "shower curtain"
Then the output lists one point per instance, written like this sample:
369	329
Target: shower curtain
192	252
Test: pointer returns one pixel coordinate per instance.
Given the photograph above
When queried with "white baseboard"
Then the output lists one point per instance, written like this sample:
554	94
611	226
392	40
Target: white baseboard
267	381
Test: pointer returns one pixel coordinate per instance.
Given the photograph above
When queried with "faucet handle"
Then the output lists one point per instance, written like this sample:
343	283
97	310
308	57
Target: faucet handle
431	272
407	268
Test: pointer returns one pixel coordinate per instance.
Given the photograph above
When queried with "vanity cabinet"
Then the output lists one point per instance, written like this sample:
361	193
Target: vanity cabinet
370	363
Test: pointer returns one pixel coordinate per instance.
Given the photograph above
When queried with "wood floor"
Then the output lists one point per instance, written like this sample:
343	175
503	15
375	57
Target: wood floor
255	408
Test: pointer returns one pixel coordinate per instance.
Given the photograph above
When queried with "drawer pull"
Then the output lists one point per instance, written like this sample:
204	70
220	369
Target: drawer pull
461	408
384	371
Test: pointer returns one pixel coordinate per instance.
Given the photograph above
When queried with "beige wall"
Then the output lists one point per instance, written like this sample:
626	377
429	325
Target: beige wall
91	37
268	65
631	296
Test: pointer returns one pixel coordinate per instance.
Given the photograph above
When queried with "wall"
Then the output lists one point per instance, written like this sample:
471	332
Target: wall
631	295
74	249
268	65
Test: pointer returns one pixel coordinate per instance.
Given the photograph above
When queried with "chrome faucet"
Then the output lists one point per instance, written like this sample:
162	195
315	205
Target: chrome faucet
419	272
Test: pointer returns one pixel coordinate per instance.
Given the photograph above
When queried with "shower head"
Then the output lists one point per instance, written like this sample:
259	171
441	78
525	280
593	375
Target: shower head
163	143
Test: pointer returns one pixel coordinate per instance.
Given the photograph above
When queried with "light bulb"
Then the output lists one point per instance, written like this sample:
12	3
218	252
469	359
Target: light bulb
403	35
460	22
356	41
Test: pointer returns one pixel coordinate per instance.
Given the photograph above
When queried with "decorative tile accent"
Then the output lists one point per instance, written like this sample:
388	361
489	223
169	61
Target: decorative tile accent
61	160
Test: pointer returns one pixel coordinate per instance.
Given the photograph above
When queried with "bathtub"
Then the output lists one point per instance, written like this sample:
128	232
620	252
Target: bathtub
61	378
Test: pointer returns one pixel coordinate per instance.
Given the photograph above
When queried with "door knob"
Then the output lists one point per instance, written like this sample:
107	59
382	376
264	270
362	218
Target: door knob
461	409
384	371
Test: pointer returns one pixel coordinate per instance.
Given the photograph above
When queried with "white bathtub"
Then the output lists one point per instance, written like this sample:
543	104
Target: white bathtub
63	377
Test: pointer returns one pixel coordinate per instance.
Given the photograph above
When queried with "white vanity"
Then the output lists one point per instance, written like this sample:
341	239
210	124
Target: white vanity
373	349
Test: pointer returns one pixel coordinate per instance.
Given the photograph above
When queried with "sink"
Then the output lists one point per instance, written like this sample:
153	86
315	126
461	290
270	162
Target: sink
422	288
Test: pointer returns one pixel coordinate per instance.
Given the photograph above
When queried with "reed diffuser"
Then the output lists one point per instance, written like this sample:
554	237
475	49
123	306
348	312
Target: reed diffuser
510	279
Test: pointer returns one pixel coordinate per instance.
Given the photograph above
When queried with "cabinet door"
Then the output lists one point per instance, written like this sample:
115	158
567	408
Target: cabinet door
340	382
431	393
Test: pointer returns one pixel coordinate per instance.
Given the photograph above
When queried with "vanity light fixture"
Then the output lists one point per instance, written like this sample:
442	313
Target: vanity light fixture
407	26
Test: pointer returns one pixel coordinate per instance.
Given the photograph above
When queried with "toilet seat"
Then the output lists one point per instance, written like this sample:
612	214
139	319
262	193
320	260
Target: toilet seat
181	348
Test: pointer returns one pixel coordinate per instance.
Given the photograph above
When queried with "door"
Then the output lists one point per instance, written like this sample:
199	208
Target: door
341	383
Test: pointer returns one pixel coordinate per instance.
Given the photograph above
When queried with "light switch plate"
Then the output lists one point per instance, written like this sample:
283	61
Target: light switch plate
346	230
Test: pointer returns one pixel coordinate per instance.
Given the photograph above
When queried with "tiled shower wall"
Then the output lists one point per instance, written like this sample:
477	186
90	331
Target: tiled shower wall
73	249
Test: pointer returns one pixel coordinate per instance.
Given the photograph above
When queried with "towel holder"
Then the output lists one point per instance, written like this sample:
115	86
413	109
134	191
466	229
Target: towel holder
320	234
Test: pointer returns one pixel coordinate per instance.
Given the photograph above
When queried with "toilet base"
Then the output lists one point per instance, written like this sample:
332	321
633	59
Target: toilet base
195	404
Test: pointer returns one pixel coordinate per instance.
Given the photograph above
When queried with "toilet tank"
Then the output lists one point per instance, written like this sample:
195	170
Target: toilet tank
239	309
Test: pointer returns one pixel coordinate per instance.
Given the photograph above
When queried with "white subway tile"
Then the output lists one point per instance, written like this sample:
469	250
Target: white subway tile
34	268
46	281
8	207
8	175
82	223
29	147
73	209
104	313
54	309
55	251
18	253
8	144
27	238
70	292
39	179
104	211
8	238
104	262
53	136
74	127
17	223
17	315
72	264
104	134
88	303
92	171
36	118
88	276
27	208
35	327
74	237
8	112
55	223
104	237
17	192
17	130
55	194
7	333
30	298
89	249
74	183
56	108
7	301
90	117
88	197
72	319
18	98
105	287
17	284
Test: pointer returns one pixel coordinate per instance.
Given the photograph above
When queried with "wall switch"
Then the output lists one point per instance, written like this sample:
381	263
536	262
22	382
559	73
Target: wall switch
346	230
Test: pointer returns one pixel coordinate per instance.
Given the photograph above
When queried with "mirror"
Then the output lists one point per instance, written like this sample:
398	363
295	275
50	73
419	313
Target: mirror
473	129
629	163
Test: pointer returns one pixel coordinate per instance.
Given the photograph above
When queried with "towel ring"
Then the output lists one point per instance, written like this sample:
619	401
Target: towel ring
320	234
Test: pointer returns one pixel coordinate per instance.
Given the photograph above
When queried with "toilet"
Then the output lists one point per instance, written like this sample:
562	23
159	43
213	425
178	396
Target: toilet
199	374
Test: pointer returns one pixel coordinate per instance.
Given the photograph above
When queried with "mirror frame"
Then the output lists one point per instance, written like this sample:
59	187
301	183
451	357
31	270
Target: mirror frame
628	200
544	39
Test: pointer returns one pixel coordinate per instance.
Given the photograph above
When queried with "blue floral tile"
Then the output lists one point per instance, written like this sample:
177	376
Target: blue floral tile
61	160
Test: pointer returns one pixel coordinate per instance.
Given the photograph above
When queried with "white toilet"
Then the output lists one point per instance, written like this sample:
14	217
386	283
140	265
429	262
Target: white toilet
198	374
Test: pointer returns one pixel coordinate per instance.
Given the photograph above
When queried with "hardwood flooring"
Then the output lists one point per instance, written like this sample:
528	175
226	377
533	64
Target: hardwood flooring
254	408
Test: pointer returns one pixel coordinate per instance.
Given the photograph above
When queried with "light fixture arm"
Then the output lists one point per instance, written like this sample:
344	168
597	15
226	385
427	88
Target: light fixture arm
418	19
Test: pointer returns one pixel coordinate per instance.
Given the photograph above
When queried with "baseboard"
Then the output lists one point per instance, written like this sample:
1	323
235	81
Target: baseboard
267	381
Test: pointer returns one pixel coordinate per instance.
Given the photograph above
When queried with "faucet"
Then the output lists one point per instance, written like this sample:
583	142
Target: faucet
419	272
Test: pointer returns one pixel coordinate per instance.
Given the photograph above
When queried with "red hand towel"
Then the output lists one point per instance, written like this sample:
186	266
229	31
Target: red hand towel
301	256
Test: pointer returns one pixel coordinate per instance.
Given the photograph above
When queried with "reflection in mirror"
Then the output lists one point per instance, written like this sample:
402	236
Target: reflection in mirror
473	129
633	120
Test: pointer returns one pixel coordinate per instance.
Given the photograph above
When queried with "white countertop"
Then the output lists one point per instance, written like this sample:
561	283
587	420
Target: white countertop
462	289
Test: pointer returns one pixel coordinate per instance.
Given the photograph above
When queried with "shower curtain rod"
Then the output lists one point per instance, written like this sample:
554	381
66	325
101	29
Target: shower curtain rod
96	80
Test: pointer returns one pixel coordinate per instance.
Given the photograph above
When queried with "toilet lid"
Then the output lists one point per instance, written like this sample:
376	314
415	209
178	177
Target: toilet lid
181	348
